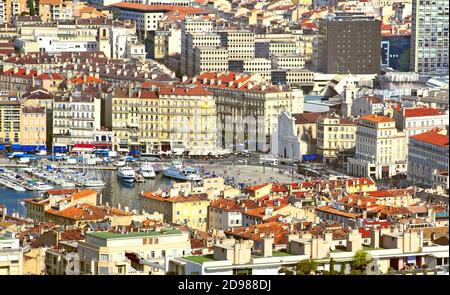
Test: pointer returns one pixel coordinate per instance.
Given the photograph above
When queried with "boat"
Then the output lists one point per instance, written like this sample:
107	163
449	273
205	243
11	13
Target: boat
181	174
147	170
41	186
92	182
126	174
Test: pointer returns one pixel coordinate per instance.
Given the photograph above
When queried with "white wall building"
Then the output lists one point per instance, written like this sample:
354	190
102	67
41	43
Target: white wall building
380	148
427	152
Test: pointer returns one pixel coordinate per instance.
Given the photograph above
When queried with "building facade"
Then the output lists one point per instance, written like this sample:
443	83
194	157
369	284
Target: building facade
349	44
380	150
427	154
429	37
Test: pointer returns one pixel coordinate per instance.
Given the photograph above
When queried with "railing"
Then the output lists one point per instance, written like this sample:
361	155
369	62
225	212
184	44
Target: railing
441	270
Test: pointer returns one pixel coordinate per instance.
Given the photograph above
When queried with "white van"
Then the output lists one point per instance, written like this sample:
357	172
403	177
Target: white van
23	160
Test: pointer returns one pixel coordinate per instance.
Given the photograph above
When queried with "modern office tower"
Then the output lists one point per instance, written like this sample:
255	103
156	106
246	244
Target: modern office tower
349	43
429	37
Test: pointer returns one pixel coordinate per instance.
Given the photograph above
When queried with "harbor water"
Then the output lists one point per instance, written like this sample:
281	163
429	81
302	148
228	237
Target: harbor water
114	192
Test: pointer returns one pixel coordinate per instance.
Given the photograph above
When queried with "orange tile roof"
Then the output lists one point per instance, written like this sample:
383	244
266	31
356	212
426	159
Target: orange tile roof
434	137
149	8
259	231
331	210
377	118
63	191
176	199
87	212
422	112
195	91
255	187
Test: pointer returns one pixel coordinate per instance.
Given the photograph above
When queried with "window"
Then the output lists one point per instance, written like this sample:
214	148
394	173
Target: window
104	257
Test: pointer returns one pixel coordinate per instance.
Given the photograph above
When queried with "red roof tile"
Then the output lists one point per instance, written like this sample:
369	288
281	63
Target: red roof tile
434	137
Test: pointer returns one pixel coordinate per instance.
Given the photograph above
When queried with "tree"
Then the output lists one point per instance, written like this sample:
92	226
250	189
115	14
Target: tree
31	5
306	267
331	266
360	261
286	271
342	270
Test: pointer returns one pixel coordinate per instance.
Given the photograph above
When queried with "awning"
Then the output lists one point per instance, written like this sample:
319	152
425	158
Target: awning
439	254
102	144
2	147
15	147
83	147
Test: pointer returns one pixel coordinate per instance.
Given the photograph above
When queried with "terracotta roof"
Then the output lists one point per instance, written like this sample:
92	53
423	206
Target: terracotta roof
194	91
331	210
434	137
50	2
307	117
176	199
87	212
259	231
149	8
377	118
68	191
256	187
422	112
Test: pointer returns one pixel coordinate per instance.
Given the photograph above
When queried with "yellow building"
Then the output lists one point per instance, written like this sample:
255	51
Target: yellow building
11	255
191	210
162	120
34	126
335	137
11	8
10	119
50	10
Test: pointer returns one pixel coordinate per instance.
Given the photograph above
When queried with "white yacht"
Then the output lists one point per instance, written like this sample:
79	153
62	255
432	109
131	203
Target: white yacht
126	174
146	170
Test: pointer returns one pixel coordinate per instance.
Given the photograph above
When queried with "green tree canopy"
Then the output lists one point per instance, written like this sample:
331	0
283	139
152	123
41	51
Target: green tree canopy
306	267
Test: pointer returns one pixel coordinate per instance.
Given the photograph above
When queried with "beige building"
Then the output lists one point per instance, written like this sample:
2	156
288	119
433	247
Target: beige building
10	9
34	126
11	256
335	138
10	117
105	252
190	210
210	59
380	148
154	121
248	109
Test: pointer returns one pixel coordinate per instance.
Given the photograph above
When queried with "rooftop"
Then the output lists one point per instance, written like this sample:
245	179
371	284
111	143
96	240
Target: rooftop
200	258
111	235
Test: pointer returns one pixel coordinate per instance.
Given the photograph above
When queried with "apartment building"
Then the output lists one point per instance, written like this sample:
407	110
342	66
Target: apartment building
248	110
287	61
11	255
18	79
33	134
429	37
335	138
10	116
233	257
265	49
146	17
154	121
417	120
10	9
210	59
349	43
427	155
75	118
261	66
105	253
380	150
239	43
196	39
189	210
114	38
191	25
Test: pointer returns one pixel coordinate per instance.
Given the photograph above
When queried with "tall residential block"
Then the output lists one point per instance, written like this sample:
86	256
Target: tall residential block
429	37
349	43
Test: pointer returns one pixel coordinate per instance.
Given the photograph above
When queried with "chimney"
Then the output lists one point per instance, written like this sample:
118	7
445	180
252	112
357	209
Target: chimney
267	247
374	238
